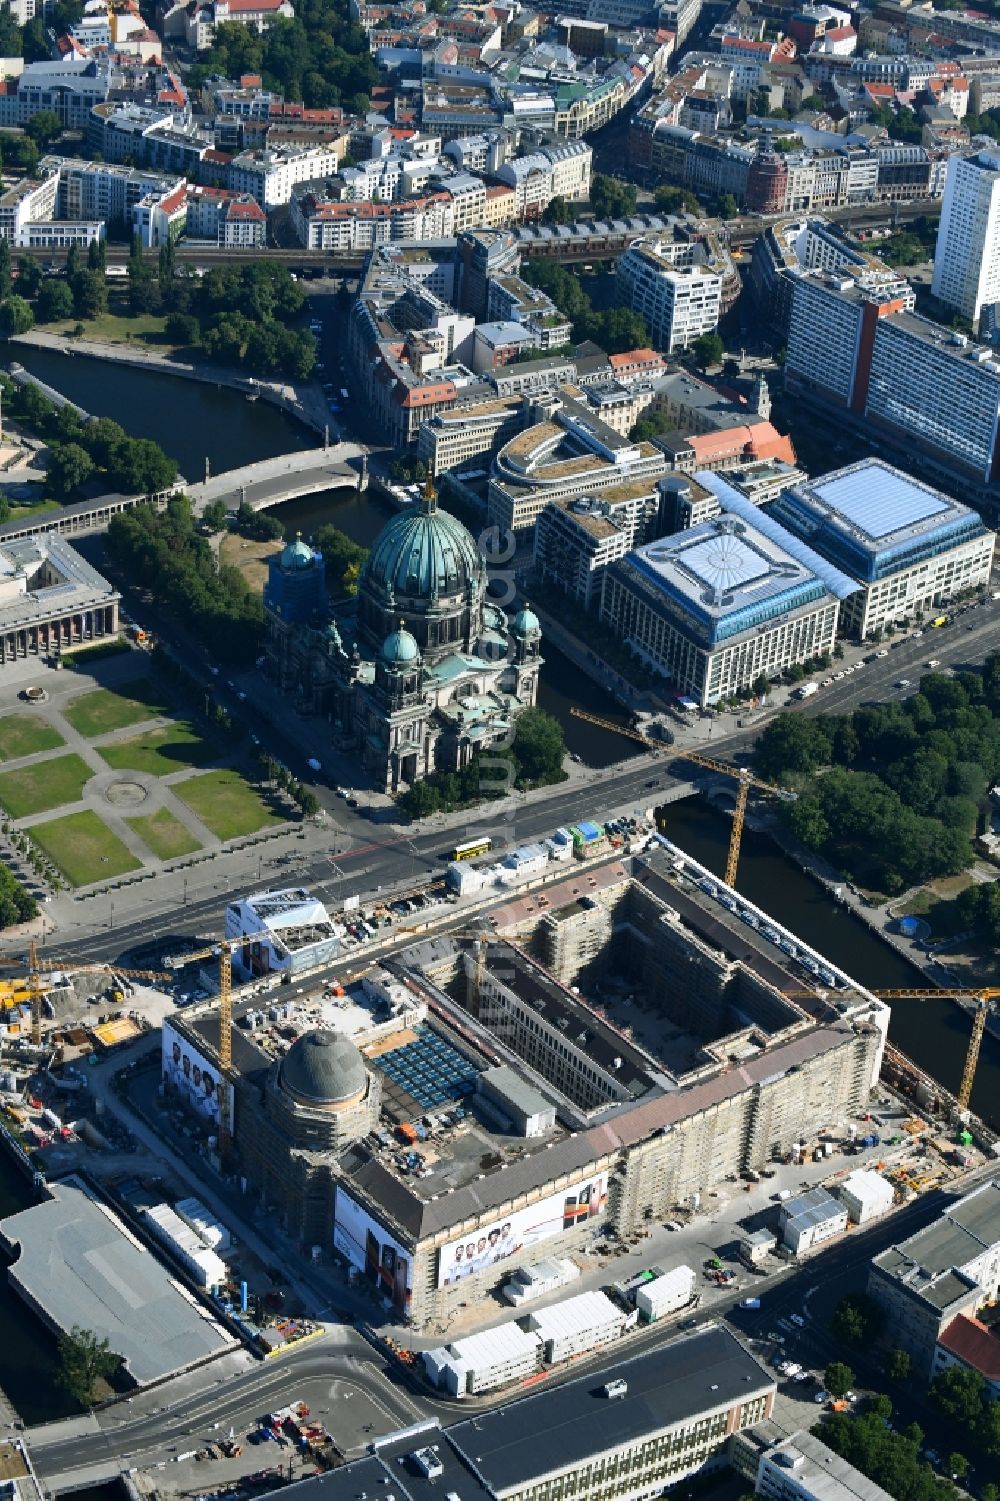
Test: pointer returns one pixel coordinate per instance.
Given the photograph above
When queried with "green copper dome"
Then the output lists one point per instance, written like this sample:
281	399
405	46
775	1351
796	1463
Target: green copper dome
297	555
419	556
525	622
400	647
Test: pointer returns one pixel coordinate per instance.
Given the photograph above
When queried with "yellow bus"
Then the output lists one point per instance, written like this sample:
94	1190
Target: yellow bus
940	620
471	848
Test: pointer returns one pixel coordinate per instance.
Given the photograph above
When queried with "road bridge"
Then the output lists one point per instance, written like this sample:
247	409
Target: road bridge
266	483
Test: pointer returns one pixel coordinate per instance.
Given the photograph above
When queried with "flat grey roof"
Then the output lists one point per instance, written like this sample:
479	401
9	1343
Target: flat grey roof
80	1265
564	1427
821	1473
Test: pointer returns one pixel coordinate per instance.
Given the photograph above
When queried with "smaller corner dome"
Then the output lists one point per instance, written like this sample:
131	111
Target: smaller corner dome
323	1069
526	623
399	647
297	555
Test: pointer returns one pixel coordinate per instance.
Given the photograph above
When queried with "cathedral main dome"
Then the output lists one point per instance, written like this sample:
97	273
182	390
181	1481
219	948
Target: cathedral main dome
420	557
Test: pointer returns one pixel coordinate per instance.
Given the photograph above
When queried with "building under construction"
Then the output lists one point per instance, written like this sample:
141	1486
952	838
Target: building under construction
637	1045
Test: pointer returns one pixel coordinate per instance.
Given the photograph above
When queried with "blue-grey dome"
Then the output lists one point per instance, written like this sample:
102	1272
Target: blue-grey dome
526	623
419	556
323	1070
297	555
400	647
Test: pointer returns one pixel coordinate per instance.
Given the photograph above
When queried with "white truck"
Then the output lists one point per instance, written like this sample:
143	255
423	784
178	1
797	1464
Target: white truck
807	690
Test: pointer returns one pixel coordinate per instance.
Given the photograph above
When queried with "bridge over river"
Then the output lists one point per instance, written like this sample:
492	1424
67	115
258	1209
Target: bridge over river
266	483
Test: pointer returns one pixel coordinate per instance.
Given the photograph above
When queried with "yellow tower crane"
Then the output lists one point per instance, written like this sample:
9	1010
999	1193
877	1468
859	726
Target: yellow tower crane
223	948
743	778
29	987
984	999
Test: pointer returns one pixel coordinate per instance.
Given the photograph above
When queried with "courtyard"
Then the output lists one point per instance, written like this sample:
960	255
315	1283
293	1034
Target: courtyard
110	772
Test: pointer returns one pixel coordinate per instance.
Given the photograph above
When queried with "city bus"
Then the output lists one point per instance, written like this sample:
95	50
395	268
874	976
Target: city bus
471	848
939	621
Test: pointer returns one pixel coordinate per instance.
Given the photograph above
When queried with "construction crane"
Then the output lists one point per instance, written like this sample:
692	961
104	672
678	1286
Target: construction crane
743	778
223	948
29	987
984	998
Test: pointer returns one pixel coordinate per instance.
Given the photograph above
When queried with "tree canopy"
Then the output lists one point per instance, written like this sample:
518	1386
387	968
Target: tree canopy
343	558
891	1459
85	1359
611	199
891	793
857	1320
16	904
134	466
616	329
164	553
320	57
534	759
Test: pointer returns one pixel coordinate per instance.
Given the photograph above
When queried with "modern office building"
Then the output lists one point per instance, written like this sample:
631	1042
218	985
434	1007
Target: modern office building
571	453
925	389
800	1467
471	431
676	288
967	255
575	540
624	1433
950	1268
910	548
717	606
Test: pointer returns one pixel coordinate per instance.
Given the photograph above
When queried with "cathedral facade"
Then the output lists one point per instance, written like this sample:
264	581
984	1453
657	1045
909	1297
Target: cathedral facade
425	671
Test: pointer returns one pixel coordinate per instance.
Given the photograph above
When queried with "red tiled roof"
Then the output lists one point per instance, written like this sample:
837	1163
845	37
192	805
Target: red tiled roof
175	199
974	1344
244	208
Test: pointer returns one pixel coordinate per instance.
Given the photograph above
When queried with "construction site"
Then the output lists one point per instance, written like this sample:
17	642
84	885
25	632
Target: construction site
598	1035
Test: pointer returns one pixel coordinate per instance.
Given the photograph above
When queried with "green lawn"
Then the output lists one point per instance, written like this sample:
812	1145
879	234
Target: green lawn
48	784
166	836
159	751
25	735
105	709
36	508
226	804
115	328
84	848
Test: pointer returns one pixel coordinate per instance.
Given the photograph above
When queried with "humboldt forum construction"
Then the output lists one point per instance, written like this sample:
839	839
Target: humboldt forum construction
617	1038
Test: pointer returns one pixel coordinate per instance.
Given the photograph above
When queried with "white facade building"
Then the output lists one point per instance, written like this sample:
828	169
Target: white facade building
283	931
810	1219
967	255
802	1468
200	1262
666	1294
679	299
485	1361
865	1195
577	1324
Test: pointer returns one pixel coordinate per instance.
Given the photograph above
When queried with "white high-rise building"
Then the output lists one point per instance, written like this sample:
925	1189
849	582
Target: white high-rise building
967	256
